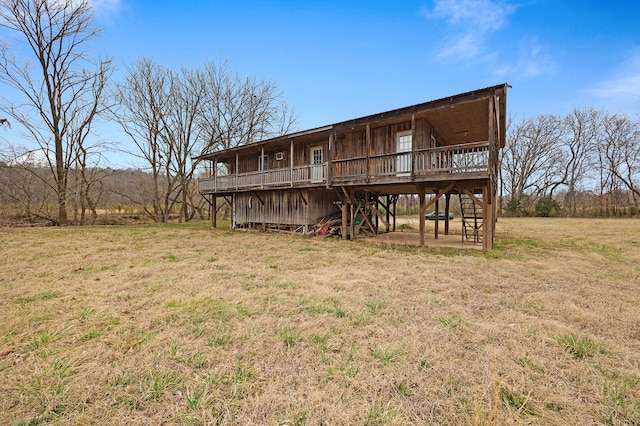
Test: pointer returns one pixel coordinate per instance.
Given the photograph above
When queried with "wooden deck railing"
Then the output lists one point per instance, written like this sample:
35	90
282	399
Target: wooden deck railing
459	159
316	173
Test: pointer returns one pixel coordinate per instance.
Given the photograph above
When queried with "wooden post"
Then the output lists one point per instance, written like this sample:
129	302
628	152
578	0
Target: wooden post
352	225
232	224
375	206
488	218
236	172
488	190
261	162
329	176
388	215
215	174
421	197
436	227
343	228
214	211
368	149
291	162
395	203
447	209
413	143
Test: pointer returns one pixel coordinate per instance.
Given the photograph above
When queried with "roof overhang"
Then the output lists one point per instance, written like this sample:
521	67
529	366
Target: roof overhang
457	119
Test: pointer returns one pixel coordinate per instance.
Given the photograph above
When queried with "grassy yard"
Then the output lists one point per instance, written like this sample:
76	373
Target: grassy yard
182	324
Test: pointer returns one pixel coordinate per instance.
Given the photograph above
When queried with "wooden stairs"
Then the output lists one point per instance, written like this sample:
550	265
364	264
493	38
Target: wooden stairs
471	213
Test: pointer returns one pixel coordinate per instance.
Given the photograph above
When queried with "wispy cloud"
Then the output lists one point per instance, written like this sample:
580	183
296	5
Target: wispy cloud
531	61
470	21
106	7
624	83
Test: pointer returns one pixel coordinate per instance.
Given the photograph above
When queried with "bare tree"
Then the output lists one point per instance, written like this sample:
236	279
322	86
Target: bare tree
173	117
143	106
532	158
187	92
578	140
620	147
238	110
60	91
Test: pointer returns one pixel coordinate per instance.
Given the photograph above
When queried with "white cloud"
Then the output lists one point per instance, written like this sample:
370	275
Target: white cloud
106	7
463	46
477	15
531	62
625	82
470	21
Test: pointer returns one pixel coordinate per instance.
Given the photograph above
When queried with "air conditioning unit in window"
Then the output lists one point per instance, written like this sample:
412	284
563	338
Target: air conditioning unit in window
280	156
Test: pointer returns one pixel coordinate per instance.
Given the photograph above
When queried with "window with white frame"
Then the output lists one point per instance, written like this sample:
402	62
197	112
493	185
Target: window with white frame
263	163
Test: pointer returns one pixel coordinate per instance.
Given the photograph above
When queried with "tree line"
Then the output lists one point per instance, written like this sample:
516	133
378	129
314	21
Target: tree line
584	163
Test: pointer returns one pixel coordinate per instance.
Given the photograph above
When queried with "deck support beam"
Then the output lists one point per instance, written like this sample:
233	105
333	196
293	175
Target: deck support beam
436	224
214	211
343	228
423	208
447	209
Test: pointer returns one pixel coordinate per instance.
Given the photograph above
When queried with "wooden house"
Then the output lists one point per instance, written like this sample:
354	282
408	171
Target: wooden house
347	176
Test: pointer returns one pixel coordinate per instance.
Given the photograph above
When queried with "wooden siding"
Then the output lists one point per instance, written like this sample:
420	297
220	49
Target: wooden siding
285	207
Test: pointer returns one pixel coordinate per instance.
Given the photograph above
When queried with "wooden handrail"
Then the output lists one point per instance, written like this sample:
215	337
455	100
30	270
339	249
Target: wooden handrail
463	158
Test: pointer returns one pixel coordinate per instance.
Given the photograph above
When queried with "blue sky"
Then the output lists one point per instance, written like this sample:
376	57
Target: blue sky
337	60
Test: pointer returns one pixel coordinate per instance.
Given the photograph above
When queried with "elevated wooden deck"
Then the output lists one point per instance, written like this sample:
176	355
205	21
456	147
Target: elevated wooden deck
456	162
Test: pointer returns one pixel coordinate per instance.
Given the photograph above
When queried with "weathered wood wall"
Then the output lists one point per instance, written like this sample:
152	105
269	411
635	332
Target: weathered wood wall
383	140
285	207
248	160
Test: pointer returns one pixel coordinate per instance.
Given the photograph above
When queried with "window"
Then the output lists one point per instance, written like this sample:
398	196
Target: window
263	163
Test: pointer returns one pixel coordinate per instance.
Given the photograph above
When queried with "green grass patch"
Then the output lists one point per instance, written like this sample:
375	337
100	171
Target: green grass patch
387	354
580	347
453	322
45	295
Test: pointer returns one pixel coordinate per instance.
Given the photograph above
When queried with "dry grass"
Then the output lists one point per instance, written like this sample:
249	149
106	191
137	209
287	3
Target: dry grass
187	325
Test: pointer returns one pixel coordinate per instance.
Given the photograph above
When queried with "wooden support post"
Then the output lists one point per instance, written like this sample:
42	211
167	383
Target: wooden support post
375	209
232	224
488	218
423	208
329	176
489	189
447	209
388	208
485	217
343	229
368	153
214	172
214	211
413	143
436	224
291	162
395	203
261	162
352	225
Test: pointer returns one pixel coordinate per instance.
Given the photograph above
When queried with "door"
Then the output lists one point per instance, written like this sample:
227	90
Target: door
403	162
316	164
